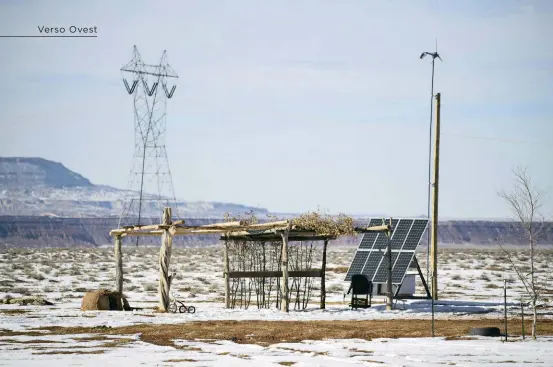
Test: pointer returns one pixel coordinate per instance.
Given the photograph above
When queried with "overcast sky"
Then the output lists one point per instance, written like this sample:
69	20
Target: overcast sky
293	105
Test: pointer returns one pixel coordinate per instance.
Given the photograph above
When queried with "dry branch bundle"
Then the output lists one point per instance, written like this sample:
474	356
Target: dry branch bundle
324	224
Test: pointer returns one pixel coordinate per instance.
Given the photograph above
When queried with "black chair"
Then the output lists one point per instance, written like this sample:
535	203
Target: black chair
360	286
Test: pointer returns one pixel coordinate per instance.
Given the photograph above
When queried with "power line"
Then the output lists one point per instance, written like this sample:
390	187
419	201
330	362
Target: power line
509	141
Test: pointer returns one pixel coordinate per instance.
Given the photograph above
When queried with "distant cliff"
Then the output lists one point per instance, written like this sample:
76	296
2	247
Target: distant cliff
43	203
28	231
37	186
32	231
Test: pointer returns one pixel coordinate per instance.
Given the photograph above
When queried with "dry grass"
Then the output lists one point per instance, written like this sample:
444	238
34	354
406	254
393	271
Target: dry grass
339	269
272	332
180	360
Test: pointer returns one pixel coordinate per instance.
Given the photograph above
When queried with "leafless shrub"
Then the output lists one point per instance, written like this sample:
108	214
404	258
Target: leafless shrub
526	200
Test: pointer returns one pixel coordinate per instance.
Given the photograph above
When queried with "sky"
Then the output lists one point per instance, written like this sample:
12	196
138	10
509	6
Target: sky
294	105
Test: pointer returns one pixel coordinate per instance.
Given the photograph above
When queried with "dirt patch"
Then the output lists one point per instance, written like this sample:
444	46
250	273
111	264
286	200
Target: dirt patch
14	312
460	337
73	352
35	341
272	332
26	301
20	333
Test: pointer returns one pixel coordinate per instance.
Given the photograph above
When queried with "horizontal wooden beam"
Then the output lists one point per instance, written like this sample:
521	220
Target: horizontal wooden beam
315	273
276	237
381	228
280	223
135	234
237	230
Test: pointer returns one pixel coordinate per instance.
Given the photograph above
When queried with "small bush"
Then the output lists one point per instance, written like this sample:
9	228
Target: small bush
37	276
150	287
23	291
16	266
485	277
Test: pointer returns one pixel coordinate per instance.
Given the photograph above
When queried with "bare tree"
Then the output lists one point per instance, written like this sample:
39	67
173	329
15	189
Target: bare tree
525	200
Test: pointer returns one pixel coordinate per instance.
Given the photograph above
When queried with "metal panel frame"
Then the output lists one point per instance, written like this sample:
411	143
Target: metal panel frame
382	252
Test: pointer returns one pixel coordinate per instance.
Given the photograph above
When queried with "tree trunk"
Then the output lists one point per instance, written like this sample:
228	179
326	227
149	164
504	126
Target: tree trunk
323	277
164	261
285	296
533	284
534	318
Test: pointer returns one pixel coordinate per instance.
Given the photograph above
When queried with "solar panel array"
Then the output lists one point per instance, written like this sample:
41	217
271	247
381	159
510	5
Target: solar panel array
370	259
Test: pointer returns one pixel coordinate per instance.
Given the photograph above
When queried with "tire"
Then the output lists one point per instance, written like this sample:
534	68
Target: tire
182	309
191	309
485	331
173	307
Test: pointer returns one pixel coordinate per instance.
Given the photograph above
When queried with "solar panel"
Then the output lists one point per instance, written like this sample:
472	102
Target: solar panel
381	275
357	264
368	239
370	258
372	264
415	235
400	267
400	233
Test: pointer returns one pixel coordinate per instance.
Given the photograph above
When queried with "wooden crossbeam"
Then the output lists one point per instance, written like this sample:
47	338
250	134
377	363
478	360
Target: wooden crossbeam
225	227
315	273
381	228
236	230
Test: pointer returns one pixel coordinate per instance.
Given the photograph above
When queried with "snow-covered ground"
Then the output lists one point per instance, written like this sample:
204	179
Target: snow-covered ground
471	287
128	350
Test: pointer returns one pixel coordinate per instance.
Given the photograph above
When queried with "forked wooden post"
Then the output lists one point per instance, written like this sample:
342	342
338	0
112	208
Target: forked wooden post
285	297
226	273
323	275
118	265
164	261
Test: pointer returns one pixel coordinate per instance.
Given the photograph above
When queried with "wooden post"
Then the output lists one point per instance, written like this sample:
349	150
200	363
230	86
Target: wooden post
226	273
434	231
164	261
285	299
118	265
323	276
390	295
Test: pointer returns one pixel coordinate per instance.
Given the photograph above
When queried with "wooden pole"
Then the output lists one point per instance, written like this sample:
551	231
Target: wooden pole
434	232
505	305
522	315
390	295
164	261
323	276
118	265
285	299
227	278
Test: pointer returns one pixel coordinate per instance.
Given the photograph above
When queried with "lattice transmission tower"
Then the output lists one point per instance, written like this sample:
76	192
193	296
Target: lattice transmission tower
150	185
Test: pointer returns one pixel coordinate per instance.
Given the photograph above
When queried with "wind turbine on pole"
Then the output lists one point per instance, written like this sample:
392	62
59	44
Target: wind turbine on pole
434	56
